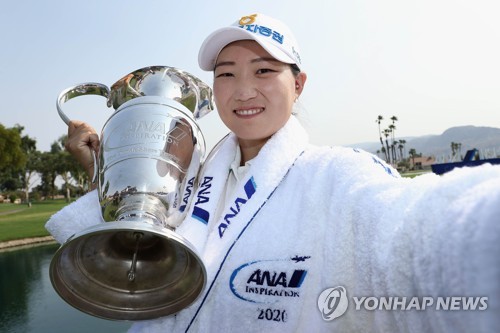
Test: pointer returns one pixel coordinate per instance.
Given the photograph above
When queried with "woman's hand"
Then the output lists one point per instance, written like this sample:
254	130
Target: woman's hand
82	142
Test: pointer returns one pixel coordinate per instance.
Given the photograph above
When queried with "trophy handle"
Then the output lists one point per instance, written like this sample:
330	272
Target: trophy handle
90	88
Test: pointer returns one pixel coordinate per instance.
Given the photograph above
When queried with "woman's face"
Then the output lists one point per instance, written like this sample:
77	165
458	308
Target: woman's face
254	93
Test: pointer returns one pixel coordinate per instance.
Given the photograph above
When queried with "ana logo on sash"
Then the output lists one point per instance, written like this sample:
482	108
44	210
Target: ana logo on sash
202	197
187	194
250	188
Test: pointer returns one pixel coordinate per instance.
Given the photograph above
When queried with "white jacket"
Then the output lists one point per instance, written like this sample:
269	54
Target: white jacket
306	219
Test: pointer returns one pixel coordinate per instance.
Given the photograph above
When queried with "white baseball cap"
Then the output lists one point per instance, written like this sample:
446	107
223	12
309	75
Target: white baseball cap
273	35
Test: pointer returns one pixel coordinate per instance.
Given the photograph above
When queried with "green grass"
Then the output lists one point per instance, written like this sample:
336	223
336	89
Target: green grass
26	222
413	174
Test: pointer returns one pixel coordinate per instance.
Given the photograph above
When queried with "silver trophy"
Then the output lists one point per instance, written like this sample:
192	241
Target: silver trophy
135	267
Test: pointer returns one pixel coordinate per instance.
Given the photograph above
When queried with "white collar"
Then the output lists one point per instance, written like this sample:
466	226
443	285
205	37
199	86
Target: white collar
239	171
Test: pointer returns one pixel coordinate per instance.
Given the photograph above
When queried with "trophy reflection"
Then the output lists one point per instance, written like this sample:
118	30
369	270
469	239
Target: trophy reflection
134	266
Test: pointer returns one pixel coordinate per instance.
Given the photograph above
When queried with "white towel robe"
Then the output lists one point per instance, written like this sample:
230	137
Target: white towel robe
338	217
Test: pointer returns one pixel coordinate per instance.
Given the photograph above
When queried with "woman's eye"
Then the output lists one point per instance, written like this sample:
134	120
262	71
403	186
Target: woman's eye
264	70
224	75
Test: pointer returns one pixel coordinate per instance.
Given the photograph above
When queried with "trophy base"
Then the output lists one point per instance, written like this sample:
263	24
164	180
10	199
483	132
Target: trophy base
128	270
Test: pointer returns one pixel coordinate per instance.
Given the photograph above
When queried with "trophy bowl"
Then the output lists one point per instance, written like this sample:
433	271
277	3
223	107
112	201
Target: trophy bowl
134	266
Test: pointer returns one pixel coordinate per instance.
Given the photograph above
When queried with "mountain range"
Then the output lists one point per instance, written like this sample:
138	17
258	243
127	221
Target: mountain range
486	139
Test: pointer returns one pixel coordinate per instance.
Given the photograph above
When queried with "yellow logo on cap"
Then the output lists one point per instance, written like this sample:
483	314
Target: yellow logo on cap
245	20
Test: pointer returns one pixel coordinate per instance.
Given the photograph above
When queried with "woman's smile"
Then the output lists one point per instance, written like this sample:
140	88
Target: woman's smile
246	113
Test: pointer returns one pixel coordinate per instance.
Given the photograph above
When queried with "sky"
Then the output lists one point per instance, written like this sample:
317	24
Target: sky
434	64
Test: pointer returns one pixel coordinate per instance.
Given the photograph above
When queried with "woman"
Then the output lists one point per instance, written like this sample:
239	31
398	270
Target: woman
295	232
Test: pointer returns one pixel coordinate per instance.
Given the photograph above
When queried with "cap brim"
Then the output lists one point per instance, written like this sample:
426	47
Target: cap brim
216	41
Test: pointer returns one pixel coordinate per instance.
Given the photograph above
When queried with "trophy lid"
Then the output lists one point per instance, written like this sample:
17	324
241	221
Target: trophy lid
167	82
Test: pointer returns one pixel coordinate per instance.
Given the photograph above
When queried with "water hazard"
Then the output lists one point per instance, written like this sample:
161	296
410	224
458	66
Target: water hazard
28	302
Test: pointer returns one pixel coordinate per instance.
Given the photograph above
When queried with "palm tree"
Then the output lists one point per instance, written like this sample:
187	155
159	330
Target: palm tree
393	133
401	147
378	121
392	129
396	150
413	154
387	132
383	151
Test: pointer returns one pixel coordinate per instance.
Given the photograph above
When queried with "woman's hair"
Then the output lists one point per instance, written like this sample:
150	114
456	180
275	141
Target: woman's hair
295	69
298	110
